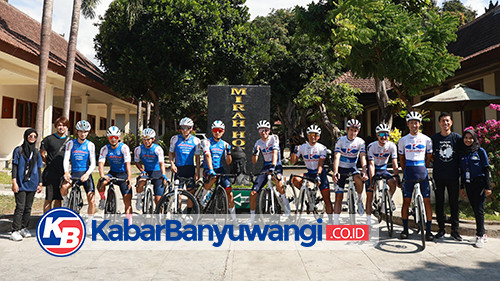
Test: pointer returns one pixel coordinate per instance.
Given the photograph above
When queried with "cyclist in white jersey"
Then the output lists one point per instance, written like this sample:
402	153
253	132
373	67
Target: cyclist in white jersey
347	151
268	145
80	153
314	155
415	154
379	153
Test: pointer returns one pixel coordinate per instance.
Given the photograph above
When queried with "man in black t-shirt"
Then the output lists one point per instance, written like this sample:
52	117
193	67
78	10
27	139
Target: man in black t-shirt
446	145
52	151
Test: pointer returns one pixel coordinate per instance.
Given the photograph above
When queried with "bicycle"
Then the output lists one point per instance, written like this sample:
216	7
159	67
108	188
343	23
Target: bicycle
269	199
309	199
148	194
417	207
75	200
382	198
218	203
110	204
178	203
351	193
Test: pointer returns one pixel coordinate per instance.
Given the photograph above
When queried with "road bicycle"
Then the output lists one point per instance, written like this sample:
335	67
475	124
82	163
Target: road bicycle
309	199
148	194
75	200
269	199
351	193
110	204
178	203
382	200
218	202
417	207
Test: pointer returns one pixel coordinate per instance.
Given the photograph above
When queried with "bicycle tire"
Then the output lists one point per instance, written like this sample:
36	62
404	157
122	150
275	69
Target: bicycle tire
291	194
319	205
72	201
110	206
352	200
147	207
421	223
301	202
220	201
264	203
388	212
75	199
165	205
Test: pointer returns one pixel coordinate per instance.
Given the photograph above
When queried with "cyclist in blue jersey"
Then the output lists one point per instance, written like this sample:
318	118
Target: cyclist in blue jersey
118	156
149	159
184	152
415	154
314	155
268	145
214	150
379	153
347	151
81	153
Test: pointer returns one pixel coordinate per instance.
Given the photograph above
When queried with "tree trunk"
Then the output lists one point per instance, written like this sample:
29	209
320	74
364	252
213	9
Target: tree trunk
139	118
383	100
70	59
325	119
156	120
44	64
147	122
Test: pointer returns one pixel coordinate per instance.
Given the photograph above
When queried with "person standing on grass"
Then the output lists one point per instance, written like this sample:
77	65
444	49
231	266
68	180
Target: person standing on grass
26	180
52	152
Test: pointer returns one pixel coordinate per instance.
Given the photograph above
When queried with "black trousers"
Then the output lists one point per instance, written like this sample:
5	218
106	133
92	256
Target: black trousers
452	185
24	201
475	193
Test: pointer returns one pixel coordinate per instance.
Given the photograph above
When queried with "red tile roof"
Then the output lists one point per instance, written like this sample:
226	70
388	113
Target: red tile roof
20	37
365	85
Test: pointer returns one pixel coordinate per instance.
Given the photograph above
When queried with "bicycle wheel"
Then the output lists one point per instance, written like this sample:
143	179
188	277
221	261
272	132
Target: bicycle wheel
110	206
301	202
72	202
265	205
147	207
180	211
388	212
319	204
351	201
220	204
421	223
291	195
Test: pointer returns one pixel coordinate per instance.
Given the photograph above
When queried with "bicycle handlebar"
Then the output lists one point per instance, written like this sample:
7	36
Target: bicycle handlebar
303	177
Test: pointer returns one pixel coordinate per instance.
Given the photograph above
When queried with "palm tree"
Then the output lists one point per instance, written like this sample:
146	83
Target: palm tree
44	64
87	8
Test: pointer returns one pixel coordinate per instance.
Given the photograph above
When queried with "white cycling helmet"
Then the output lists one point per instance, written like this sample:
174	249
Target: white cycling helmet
413	115
353	123
263	124
218	124
313	129
186	121
382	127
83	125
113	131
148	133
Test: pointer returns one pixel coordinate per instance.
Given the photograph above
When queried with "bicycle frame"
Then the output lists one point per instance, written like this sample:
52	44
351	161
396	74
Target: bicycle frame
310	193
274	192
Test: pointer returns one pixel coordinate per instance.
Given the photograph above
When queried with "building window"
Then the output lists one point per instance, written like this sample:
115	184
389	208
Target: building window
102	123
25	113
7	107
91	119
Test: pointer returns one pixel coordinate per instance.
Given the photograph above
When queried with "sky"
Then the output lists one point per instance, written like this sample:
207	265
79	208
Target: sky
63	9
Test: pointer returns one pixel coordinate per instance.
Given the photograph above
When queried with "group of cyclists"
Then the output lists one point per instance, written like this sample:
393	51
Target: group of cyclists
413	150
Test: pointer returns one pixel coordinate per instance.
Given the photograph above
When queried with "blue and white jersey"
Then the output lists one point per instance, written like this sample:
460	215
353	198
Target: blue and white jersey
380	154
311	155
117	157
185	149
218	150
267	148
81	155
150	157
349	151
415	148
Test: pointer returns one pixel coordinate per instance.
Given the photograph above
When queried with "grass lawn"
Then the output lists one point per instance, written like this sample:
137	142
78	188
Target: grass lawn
8	204
5	178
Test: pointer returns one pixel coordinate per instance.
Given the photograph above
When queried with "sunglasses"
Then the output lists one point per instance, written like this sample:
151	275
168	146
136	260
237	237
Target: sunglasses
218	130
383	135
185	127
316	135
113	138
32	136
264	130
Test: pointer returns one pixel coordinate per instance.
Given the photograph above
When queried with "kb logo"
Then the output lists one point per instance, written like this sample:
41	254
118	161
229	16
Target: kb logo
61	232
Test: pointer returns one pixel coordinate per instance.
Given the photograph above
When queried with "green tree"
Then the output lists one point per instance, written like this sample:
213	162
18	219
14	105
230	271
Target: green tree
326	102
381	39
455	7
288	62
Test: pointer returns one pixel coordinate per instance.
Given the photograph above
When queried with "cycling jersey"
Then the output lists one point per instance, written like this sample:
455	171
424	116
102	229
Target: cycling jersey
150	157
267	148
380	154
349	151
81	155
117	157
185	149
217	149
312	155
414	149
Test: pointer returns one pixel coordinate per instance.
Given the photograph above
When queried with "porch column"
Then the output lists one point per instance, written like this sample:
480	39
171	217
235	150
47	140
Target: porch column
163	126
85	106
126	129
109	107
47	111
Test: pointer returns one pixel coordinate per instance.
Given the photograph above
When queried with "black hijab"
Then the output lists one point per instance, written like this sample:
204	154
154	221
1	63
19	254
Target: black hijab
30	153
474	146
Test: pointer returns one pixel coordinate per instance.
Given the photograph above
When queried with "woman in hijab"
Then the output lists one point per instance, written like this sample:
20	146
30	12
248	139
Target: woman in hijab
26	180
475	173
